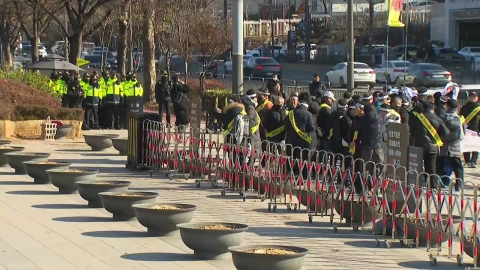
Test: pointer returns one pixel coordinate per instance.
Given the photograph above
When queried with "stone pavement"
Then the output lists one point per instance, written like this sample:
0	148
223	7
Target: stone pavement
41	229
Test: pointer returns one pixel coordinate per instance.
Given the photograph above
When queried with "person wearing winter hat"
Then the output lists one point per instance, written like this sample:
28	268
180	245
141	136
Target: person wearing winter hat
249	100
323	120
470	113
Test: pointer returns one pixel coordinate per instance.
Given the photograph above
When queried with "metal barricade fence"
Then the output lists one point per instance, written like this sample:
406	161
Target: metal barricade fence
414	209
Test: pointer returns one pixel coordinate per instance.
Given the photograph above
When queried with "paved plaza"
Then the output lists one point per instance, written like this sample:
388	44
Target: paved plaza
42	229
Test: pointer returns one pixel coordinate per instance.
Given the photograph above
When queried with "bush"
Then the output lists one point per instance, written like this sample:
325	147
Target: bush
195	90
19	102
33	79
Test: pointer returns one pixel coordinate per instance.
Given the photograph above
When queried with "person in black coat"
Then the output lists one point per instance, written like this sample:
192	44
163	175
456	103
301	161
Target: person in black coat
272	83
316	86
323	120
340	129
422	138
75	92
472	124
249	101
405	111
182	108
274	121
370	135
303	120
440	109
163	97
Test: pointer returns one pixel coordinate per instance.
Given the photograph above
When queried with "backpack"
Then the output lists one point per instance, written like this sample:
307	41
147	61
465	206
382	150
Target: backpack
242	127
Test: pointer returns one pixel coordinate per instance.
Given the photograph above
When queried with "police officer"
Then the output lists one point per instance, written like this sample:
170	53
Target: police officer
163	96
102	107
92	101
75	92
113	98
63	86
84	85
133	92
470	113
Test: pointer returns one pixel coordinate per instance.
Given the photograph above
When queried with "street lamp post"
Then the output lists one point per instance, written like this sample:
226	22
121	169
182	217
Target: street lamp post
237	51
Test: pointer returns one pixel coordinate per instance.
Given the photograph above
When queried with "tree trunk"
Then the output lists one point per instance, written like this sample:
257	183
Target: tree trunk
75	43
7	52
122	40
34	41
149	72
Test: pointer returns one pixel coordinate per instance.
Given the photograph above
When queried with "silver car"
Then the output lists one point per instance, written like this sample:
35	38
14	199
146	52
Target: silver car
425	74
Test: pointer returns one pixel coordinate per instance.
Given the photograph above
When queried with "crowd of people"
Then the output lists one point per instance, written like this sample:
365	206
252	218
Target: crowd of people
354	125
106	99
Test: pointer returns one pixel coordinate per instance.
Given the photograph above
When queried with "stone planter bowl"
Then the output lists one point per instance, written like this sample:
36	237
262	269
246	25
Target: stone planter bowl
5	142
89	190
8	149
65	178
38	169
423	230
121	145
209	244
120	203
99	142
63	131
325	200
163	220
16	159
245	258
357	212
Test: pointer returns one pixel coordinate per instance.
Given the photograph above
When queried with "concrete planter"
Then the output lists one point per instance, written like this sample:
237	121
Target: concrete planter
325	205
8	149
16	159
89	190
162	219
121	145
99	142
63	131
211	244
65	178
5	142
120	203
38	169
256	257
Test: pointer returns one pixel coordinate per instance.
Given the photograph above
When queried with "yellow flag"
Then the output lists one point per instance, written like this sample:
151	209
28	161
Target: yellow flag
82	62
395	7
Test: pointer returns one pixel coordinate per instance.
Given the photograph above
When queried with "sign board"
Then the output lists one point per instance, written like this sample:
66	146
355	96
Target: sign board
301	9
302	24
471	141
196	116
415	163
397	146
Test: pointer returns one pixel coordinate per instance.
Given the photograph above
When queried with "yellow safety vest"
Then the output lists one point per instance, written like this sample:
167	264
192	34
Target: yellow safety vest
261	106
355	136
300	133
230	125
429	127
323	105
257	127
392	111
275	132
470	116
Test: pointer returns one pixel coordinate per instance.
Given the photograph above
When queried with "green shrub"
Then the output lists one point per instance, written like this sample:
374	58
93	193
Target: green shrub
33	112
33	79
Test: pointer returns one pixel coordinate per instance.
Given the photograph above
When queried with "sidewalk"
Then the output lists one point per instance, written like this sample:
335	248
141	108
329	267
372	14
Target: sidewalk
41	229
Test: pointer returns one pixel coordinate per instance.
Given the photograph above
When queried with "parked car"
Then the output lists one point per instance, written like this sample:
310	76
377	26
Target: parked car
57	45
363	75
470	53
447	53
27	50
227	66
399	51
198	64
391	70
278	51
88	47
262	67
96	62
300	51
425	74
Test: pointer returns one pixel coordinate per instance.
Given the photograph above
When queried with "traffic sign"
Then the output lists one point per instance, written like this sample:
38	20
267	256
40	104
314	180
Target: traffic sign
293	35
301	24
301	9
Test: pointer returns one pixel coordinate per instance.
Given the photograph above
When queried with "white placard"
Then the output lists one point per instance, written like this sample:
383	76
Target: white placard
471	141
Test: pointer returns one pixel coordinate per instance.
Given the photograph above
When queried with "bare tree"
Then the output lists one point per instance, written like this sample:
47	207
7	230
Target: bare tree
81	19
9	30
165	16
148	29
210	39
33	21
122	36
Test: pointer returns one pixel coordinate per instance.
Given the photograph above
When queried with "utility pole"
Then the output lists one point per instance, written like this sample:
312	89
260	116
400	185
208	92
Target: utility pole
350	45
130	38
237	51
371	11
272	41
225	15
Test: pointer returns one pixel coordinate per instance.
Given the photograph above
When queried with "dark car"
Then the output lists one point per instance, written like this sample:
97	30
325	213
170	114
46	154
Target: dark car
425	74
96	61
448	53
197	65
262	67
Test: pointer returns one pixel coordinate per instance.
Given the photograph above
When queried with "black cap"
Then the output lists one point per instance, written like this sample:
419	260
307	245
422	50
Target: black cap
316	75
422	91
347	95
472	94
341	103
452	103
351	104
250	92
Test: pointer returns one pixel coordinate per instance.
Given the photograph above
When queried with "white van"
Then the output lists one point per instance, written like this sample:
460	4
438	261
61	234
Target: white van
88	47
